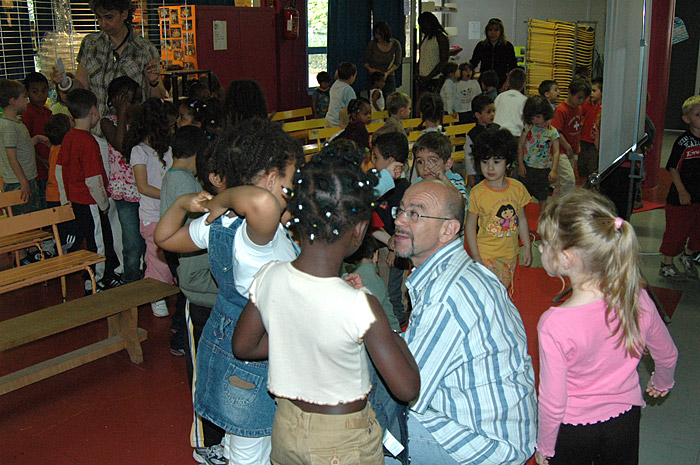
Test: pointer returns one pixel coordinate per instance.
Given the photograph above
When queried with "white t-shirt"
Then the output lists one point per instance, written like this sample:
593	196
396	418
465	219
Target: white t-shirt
509	111
315	330
248	256
448	93
466	91
142	154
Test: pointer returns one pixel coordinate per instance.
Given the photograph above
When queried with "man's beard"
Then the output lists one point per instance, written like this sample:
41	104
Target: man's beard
409	253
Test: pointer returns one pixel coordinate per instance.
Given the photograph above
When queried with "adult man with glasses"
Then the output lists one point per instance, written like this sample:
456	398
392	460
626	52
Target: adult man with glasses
477	399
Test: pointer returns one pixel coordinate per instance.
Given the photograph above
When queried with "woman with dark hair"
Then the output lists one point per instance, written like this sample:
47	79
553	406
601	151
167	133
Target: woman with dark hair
244	99
434	50
495	52
117	50
384	55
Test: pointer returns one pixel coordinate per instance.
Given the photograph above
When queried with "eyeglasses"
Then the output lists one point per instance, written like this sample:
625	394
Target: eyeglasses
413	216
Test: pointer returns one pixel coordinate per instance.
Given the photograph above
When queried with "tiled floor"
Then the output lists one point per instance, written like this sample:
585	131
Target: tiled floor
113	412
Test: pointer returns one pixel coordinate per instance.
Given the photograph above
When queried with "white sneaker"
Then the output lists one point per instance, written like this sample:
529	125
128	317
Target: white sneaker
212	455
160	309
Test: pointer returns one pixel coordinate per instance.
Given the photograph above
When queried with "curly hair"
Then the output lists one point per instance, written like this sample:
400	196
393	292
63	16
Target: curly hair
206	112
356	105
585	221
244	99
431	107
122	85
495	143
249	150
332	194
152	123
537	105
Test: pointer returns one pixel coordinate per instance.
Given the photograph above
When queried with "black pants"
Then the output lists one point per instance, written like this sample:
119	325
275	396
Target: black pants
611	442
198	318
179	338
95	228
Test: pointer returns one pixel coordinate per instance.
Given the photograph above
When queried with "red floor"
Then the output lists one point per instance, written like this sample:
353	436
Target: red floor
109	411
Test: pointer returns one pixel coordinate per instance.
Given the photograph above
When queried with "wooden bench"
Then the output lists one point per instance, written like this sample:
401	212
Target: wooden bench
50	268
292	114
16	242
458	133
300	129
119	306
320	136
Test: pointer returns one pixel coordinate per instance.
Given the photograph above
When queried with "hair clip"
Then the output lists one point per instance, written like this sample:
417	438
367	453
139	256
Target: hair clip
299	181
361	184
372	204
314	225
287	224
301	207
285	190
618	222
373	170
296	220
328	214
312	237
354	209
335	231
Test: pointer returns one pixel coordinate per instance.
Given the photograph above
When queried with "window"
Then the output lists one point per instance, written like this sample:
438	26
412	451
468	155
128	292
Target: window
317	48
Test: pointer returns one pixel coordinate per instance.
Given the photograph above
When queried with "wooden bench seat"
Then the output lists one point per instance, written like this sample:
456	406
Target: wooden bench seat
55	267
119	306
19	241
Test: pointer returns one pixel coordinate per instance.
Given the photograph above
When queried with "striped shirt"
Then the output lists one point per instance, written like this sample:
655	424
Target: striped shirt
477	394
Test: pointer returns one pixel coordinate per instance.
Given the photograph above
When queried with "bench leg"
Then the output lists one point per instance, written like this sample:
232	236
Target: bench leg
125	324
92	279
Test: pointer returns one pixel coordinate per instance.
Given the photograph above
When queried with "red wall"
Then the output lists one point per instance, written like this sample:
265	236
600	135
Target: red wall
291	62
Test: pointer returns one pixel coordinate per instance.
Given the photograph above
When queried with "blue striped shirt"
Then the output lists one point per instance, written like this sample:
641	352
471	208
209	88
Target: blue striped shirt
477	394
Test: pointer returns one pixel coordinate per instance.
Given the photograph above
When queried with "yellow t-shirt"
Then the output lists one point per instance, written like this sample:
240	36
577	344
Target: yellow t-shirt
498	218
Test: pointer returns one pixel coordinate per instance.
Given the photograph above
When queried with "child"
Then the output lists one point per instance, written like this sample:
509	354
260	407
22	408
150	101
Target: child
509	104
321	95
433	154
538	149
497	204
398	105
17	155
683	200
591	345
488	80
467	88
484	113
205	114
588	157
386	149
257	159
448	91
432	109
124	96
567	120
341	93
82	180
147	149
35	117
376	95
360	114
549	89
318	368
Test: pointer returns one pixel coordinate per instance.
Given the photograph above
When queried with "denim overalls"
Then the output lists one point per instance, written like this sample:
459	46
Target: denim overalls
229	392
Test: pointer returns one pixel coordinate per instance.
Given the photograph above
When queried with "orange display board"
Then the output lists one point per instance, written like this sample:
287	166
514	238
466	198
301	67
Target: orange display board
178	41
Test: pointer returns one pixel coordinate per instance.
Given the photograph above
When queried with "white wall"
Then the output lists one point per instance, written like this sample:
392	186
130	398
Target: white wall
514	13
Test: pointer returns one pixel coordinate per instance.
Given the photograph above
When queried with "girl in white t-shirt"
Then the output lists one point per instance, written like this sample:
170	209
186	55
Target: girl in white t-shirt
316	328
256	160
147	149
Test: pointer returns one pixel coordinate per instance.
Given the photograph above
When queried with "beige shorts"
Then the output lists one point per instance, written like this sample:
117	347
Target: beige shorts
302	438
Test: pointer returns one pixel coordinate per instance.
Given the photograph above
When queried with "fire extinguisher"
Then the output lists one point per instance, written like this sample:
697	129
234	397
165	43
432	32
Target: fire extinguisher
291	21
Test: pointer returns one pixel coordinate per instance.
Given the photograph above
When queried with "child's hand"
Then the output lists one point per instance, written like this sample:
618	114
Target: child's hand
527	256
394	169
522	171
684	197
354	280
26	190
570	153
552	176
121	103
196	203
390	259
541	459
655	393
40	139
437	171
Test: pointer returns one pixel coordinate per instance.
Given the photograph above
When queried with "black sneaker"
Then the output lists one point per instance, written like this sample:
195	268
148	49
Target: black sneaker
112	282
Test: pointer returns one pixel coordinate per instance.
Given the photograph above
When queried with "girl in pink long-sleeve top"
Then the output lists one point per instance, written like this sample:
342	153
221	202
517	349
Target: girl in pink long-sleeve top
590	398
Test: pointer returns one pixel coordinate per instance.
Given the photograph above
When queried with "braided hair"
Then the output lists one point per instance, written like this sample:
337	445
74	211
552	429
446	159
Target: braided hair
332	193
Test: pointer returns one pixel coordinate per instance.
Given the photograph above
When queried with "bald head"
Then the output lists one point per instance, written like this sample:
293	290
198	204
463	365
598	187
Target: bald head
448	197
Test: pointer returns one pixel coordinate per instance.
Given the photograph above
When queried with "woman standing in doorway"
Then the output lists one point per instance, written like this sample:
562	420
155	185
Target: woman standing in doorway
384	54
495	52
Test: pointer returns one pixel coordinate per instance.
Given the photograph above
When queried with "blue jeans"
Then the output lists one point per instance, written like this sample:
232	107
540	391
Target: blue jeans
423	448
133	245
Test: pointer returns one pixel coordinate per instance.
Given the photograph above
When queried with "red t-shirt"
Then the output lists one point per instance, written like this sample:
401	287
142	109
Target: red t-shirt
80	159
567	120
590	112
34	118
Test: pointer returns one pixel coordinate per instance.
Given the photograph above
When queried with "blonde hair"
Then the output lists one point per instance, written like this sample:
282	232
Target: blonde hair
689	103
584	221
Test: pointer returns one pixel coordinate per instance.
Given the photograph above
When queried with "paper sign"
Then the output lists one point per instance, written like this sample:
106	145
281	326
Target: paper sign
474	30
220	39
